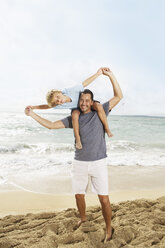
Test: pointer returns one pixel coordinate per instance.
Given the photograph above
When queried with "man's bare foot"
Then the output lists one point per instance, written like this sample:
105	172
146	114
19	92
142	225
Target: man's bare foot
108	236
78	145
80	222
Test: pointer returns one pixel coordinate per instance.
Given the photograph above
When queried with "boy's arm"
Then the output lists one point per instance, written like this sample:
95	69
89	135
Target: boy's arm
92	78
44	106
116	88
46	123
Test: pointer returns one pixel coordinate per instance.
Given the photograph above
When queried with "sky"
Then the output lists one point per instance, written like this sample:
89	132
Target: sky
50	44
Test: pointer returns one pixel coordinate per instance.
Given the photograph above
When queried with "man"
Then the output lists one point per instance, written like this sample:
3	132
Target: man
90	160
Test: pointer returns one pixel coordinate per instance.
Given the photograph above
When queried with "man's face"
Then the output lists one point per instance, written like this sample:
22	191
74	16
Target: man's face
85	103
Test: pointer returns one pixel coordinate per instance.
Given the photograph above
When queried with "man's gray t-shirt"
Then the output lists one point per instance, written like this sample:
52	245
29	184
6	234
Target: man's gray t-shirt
92	135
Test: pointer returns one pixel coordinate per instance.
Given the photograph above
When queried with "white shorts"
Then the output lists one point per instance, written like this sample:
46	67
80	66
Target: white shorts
97	171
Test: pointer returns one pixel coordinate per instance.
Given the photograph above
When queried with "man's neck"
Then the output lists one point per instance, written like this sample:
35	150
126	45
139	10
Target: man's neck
86	112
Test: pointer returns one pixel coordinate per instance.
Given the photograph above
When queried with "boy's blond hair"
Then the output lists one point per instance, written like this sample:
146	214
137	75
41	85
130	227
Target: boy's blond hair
49	97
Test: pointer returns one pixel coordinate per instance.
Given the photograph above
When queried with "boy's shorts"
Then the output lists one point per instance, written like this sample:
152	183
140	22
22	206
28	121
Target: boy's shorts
97	171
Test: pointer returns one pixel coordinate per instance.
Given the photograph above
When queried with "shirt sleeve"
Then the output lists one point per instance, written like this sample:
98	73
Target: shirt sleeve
106	108
67	122
62	106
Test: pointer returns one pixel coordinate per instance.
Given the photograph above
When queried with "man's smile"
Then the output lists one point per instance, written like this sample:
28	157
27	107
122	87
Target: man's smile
85	103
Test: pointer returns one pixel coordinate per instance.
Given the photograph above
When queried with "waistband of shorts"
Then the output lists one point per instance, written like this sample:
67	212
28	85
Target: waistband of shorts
99	161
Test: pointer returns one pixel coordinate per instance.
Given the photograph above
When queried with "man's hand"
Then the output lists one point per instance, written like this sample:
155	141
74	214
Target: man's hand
28	111
100	71
106	71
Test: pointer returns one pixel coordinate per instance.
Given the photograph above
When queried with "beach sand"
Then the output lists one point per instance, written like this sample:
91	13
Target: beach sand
137	196
138	223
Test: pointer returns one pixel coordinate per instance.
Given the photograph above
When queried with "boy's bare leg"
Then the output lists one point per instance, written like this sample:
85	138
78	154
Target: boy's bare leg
75	123
99	108
107	214
80	201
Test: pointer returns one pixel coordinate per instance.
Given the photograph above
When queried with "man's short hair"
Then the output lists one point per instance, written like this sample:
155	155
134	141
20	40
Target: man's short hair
86	91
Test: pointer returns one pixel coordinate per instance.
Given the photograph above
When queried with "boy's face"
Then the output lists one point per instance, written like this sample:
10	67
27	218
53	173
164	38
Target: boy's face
85	103
58	99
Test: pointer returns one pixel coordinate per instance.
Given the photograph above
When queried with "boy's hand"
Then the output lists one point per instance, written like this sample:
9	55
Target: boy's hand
106	71
32	107
100	72
28	111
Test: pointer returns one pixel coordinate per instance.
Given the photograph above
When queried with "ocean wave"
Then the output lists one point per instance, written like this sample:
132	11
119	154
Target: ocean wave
127	145
51	148
36	148
2	180
122	145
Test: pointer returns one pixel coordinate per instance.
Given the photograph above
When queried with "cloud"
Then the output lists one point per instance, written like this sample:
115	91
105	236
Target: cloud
56	44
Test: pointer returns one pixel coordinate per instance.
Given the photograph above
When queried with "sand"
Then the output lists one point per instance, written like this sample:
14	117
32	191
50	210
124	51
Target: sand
137	195
138	223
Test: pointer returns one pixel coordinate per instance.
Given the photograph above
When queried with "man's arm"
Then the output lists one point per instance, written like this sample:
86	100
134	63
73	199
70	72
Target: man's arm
92	78
46	123
43	106
116	88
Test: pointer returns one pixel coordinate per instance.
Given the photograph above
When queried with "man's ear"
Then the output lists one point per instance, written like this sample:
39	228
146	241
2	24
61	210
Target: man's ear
92	103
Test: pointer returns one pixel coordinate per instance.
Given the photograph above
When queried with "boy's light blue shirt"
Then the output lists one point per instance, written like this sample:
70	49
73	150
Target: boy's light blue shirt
73	93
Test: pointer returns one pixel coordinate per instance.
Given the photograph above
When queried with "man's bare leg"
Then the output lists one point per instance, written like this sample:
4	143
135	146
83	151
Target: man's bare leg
80	201
107	214
75	123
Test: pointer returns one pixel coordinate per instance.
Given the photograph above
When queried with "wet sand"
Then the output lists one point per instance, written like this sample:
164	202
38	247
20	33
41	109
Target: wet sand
22	202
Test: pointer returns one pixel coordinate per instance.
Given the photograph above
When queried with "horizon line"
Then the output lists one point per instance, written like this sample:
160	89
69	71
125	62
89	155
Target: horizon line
63	113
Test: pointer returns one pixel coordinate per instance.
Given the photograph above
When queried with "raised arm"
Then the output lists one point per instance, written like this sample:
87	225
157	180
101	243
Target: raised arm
46	123
43	106
92	78
116	88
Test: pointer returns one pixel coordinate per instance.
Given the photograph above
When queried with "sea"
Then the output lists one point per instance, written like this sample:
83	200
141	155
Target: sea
31	155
